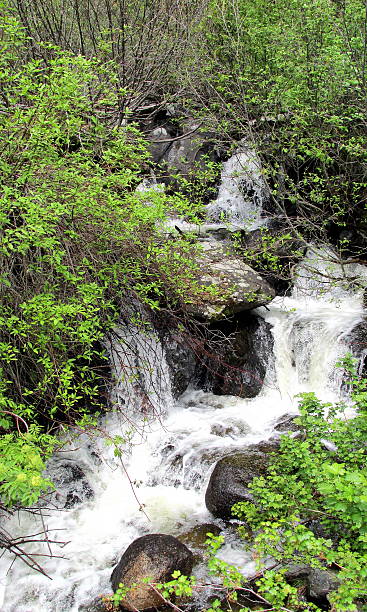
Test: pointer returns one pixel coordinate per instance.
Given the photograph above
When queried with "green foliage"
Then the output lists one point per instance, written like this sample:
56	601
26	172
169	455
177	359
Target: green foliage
78	243
272	253
199	184
292	75
179	586
119	595
21	465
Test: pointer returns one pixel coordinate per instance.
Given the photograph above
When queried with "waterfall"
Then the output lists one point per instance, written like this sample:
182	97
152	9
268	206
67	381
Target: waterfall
242	191
239	203
311	327
141	379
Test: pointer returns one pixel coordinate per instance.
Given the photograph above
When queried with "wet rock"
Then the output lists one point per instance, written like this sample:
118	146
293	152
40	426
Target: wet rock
231	476
181	361
216	231
237	285
297	571
240	364
154	556
197	536
72	485
286	423
357	342
230	429
320	584
96	605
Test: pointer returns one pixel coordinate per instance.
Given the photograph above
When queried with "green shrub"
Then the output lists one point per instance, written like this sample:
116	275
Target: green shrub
78	245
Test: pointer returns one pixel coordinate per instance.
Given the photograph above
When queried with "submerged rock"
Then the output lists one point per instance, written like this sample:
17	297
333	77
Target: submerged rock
154	556
197	537
96	605
229	481
72	485
232	285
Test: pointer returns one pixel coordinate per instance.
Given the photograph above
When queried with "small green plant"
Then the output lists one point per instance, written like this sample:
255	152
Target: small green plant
119	595
179	586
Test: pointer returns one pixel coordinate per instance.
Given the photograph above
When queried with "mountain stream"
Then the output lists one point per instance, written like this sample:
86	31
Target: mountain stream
159	483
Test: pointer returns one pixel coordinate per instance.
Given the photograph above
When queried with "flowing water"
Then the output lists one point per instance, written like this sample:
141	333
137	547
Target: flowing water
170	447
242	191
241	195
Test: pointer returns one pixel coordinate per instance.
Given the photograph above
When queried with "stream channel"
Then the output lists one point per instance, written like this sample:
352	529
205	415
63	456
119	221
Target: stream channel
168	458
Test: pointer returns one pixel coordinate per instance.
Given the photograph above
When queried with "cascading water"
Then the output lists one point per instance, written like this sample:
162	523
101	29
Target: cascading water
160	485
241	192
141	377
239	203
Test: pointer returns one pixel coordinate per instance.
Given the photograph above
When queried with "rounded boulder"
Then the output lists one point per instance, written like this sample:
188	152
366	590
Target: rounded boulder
231	476
156	557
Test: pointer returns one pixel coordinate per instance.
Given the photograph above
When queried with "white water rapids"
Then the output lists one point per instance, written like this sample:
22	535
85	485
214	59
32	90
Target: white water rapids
168	459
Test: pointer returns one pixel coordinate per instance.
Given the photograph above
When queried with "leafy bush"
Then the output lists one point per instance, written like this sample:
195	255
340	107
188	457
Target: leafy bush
78	245
291	77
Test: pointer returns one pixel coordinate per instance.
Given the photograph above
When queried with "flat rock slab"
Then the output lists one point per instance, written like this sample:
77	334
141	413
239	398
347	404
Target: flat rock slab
238	287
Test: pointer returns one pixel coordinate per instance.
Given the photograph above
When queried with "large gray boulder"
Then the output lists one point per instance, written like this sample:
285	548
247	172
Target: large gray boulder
239	286
154	556
231	476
